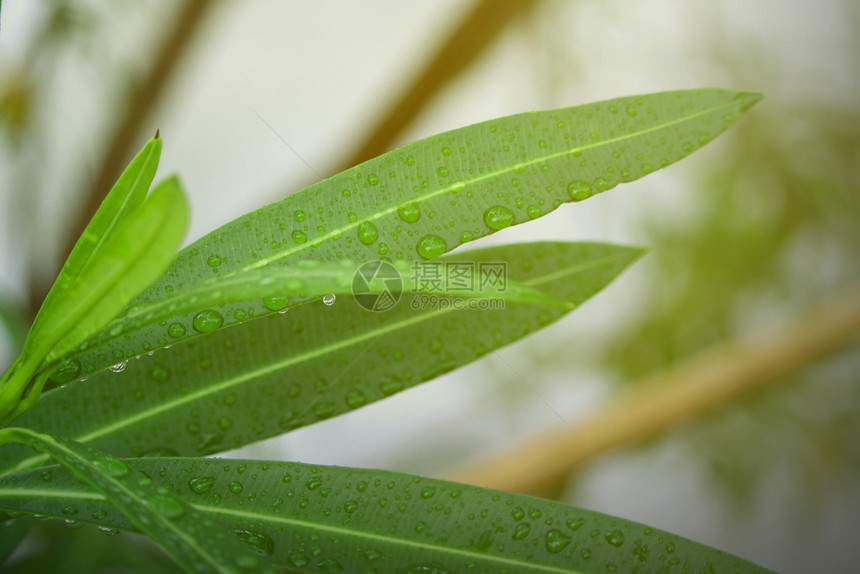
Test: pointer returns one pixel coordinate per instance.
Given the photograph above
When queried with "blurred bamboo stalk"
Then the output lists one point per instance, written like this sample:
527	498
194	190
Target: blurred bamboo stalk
141	101
703	383
466	42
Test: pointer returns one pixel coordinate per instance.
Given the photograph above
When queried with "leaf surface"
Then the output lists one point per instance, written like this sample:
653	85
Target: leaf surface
265	377
192	539
325	519
424	199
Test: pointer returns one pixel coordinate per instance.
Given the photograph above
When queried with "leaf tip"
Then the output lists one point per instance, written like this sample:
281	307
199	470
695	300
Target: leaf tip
748	99
157	136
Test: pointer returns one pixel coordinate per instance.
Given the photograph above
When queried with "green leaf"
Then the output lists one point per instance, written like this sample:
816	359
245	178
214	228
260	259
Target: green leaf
283	287
433	195
121	202
265	377
324	519
125	247
195	543
137	254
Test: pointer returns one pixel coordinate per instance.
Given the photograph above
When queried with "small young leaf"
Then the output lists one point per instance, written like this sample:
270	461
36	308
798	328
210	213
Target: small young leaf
188	536
323	519
123	199
124	248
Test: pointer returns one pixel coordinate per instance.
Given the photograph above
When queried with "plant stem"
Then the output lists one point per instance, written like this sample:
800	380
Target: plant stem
703	383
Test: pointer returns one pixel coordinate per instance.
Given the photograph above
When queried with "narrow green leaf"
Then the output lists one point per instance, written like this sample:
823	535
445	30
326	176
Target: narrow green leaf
284	287
142	245
324	519
124	198
262	378
187	535
124	248
433	195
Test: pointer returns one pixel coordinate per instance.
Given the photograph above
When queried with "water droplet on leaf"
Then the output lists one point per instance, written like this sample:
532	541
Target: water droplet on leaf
261	543
498	217
201	484
207	321
176	330
579	190
367	233
431	246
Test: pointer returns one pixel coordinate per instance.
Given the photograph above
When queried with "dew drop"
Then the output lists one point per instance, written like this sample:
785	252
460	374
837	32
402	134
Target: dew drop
600	184
409	212
329	299
158	374
67	371
372	179
390	385
235	487
167	505
330	565
176	330
119	367
443	171
458	186
299	236
522	530
207	321
578	190
431	246
299	215
261	543
498	217
367	233
213	261
70	510
201	484
466	237
631	111
355	399
533	211
556	541
276	302
518	513
616	538
428	492
298	560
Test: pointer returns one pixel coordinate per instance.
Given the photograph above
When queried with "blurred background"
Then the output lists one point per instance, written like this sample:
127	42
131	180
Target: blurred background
757	235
